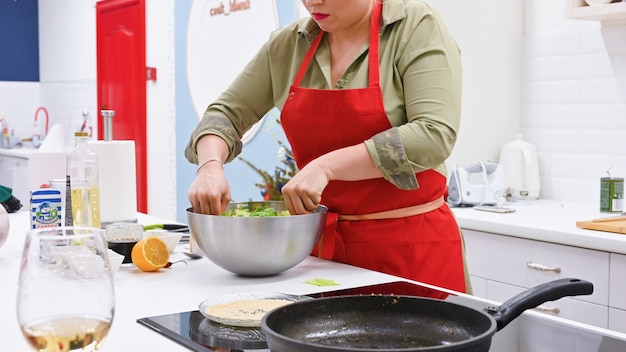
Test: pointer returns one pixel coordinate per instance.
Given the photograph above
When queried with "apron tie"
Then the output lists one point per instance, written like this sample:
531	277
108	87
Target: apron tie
331	238
397	213
325	248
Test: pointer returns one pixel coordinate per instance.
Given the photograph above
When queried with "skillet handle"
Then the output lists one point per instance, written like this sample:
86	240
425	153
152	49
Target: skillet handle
533	297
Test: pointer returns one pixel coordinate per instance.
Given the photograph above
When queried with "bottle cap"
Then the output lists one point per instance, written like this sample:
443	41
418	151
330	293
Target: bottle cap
81	134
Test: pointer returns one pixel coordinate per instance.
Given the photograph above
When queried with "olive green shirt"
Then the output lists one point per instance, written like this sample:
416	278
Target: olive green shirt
420	73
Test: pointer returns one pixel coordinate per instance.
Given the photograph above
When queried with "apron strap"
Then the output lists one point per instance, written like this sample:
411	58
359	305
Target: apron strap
307	59
373	69
397	213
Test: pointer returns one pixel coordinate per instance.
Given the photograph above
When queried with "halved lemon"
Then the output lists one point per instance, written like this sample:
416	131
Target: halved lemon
150	254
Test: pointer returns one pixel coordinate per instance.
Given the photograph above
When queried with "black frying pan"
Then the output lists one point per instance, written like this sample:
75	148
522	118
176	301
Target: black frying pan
361	323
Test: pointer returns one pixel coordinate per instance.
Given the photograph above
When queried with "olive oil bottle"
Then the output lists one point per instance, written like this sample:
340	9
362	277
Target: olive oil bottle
83	170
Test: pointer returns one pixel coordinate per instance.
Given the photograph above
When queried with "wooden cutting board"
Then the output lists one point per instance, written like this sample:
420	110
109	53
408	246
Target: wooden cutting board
616	226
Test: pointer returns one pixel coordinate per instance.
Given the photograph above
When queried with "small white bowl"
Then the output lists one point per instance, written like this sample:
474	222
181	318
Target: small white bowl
597	2
115	260
170	238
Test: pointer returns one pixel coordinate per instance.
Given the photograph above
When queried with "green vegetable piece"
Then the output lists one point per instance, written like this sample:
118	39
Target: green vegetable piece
322	282
261	211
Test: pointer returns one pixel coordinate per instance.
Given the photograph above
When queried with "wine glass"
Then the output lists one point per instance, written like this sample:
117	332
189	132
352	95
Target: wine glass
65	298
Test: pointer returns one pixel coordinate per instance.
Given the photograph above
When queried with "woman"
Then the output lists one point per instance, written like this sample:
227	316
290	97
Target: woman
370	99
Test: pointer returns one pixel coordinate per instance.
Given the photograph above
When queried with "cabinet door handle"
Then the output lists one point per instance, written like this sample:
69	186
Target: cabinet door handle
546	309
542	267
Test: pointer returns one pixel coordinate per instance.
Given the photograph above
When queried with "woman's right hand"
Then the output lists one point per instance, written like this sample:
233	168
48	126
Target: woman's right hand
209	193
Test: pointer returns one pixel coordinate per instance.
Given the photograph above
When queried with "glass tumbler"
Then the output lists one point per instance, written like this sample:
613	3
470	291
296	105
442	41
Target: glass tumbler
66	299
121	237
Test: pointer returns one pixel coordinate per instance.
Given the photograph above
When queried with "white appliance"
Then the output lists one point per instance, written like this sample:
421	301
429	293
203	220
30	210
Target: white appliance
477	183
521	170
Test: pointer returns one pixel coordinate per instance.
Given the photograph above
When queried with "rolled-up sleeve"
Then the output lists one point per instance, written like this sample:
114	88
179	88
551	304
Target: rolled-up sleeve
421	78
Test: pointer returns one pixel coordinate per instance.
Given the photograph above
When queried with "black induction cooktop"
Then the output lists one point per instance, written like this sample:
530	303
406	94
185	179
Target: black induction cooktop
192	330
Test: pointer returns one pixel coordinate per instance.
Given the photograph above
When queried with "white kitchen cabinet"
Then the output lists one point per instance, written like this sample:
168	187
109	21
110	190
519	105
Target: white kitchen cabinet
24	171
7	167
578	9
617	293
479	286
527	263
10	170
510	265
617	320
567	308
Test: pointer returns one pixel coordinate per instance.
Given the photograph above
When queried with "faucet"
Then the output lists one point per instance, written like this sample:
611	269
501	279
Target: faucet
41	108
4	129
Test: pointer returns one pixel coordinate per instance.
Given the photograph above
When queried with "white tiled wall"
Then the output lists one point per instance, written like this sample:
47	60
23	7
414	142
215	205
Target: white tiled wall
574	100
64	101
18	103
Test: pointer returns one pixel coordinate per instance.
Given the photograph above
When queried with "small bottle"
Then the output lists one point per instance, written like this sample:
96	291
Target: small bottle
83	172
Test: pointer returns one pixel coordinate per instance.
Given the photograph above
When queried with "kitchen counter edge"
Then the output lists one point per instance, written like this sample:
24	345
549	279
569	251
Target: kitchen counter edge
544	220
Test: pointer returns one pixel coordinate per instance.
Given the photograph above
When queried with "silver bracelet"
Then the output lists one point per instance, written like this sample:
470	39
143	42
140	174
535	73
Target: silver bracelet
208	161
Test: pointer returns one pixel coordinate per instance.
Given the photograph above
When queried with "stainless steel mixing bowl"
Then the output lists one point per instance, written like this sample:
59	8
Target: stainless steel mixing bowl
257	246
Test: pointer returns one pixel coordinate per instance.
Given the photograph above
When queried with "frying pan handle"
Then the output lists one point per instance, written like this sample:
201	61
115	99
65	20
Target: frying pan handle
533	297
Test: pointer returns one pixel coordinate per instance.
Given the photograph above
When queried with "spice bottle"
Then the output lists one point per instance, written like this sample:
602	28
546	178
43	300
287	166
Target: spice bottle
83	171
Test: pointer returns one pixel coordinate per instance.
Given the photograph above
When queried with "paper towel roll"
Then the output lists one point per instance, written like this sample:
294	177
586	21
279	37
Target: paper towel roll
118	186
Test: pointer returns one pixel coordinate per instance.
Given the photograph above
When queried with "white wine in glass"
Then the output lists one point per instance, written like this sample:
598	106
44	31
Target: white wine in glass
65	299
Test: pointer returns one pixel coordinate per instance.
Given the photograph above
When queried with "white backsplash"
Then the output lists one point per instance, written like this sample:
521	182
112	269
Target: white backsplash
574	101
64	101
18	103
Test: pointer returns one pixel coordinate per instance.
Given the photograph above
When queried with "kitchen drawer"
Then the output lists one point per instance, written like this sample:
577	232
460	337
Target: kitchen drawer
617	320
518	262
617	294
566	308
479	286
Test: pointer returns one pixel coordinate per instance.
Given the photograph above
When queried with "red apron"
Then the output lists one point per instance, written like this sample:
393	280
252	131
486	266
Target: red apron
425	247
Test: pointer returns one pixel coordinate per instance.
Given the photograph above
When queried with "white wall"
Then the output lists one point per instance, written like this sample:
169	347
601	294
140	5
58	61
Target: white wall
489	33
67	51
161	114
574	100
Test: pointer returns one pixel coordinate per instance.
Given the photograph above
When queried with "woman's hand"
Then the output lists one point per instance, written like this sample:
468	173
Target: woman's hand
303	192
209	193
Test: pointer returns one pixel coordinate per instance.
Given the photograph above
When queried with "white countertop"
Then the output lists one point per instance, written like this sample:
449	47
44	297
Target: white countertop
545	220
25	153
182	287
177	289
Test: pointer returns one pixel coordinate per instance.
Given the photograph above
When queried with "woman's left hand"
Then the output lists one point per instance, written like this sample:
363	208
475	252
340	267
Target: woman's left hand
303	192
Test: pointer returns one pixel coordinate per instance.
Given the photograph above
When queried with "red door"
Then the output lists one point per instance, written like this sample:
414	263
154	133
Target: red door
121	56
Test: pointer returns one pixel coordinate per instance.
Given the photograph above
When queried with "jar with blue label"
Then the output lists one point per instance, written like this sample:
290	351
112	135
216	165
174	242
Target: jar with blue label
45	208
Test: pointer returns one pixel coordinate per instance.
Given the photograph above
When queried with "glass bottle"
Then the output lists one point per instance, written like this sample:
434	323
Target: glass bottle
82	168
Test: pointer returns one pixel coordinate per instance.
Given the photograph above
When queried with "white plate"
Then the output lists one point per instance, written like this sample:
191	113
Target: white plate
254	320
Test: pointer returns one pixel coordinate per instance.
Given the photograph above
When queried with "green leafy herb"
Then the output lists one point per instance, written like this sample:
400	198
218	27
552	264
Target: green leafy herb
262	211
